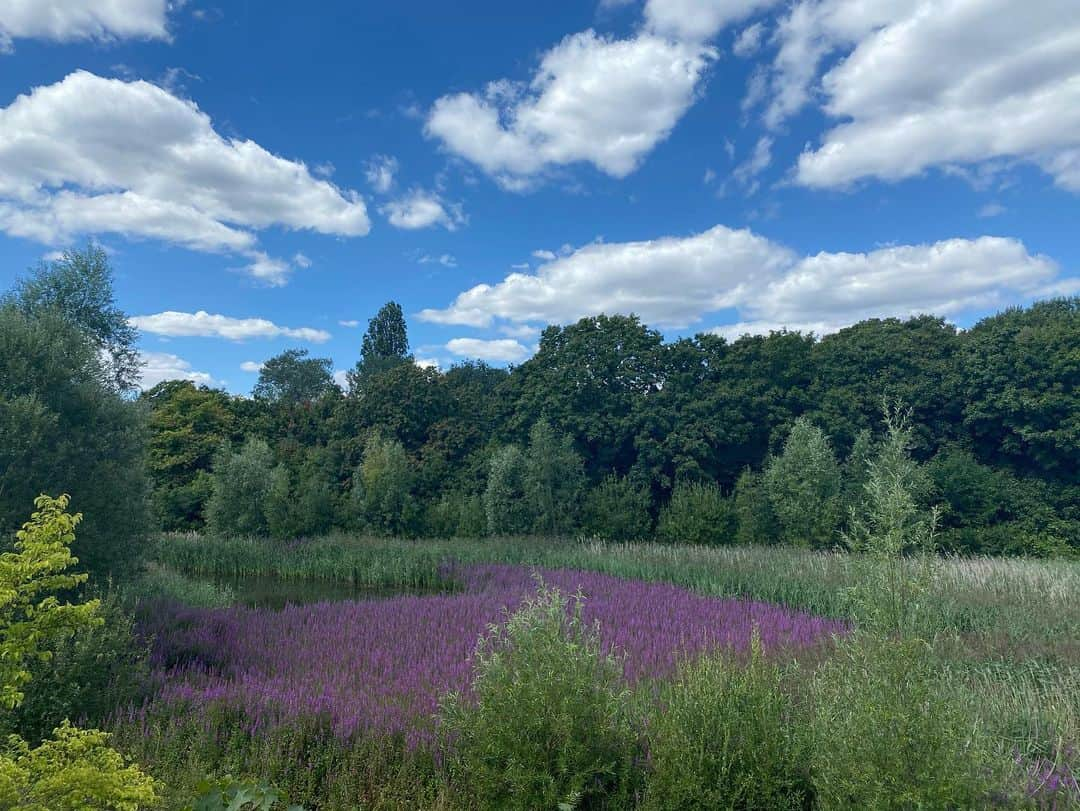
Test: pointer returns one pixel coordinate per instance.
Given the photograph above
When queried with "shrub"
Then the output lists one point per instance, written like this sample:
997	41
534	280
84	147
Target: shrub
85	677
617	510
725	734
754	515
505	505
242	482
803	484
553	479
698	513
888	734
456	515
382	487
75	769
548	724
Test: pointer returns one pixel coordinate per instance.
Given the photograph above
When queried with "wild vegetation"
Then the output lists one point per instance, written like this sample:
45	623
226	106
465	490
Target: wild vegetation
777	572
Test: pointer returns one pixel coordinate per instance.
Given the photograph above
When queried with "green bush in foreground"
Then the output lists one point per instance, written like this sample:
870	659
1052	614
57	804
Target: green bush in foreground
617	509
549	723
75	770
726	735
889	735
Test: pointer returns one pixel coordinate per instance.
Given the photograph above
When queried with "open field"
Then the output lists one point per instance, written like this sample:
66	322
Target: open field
336	701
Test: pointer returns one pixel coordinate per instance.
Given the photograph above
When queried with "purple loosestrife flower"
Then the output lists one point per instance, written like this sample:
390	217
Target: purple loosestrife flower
378	667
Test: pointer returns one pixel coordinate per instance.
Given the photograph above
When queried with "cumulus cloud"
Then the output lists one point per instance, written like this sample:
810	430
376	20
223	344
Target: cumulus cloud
251	366
423	209
749	40
919	85
70	20
677	281
498	350
206	325
143	163
592	99
161	366
699	19
351	323
380	173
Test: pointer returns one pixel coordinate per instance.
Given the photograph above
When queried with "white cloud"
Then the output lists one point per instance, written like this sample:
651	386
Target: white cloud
746	173
160	366
525	332
749	40
427	363
300	260
422	209
206	325
669	281
547	256
498	350
921	85
592	99
141	162
677	281
70	20
341	377
992	210
699	19
380	172
445	259
251	366
351	323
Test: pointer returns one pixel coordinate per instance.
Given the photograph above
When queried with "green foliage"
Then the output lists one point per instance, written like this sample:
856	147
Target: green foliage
888	734
382	487
804	487
456	515
235	795
753	511
548	724
292	378
385	345
617	510
698	513
505	503
78	289
241	487
75	770
63	428
553	479
1021	372
727	734
86	676
31	616
187	426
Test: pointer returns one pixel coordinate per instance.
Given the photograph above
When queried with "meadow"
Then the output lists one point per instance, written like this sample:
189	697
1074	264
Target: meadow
339	702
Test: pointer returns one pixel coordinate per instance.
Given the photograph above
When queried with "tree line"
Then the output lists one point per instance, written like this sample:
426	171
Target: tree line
607	430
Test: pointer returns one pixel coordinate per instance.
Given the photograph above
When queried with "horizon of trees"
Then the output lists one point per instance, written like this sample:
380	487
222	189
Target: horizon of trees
607	430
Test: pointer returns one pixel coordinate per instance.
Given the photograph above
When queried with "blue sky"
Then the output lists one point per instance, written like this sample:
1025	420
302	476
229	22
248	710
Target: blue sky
266	178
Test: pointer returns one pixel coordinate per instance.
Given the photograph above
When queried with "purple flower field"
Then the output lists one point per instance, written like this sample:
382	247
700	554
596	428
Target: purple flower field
379	666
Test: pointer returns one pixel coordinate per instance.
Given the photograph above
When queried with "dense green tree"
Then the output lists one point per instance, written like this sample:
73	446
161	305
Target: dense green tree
753	511
188	424
64	427
698	512
382	487
553	479
1021	371
587	378
804	487
505	503
241	486
384	346
292	378
404	401
618	509
78	289
913	361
